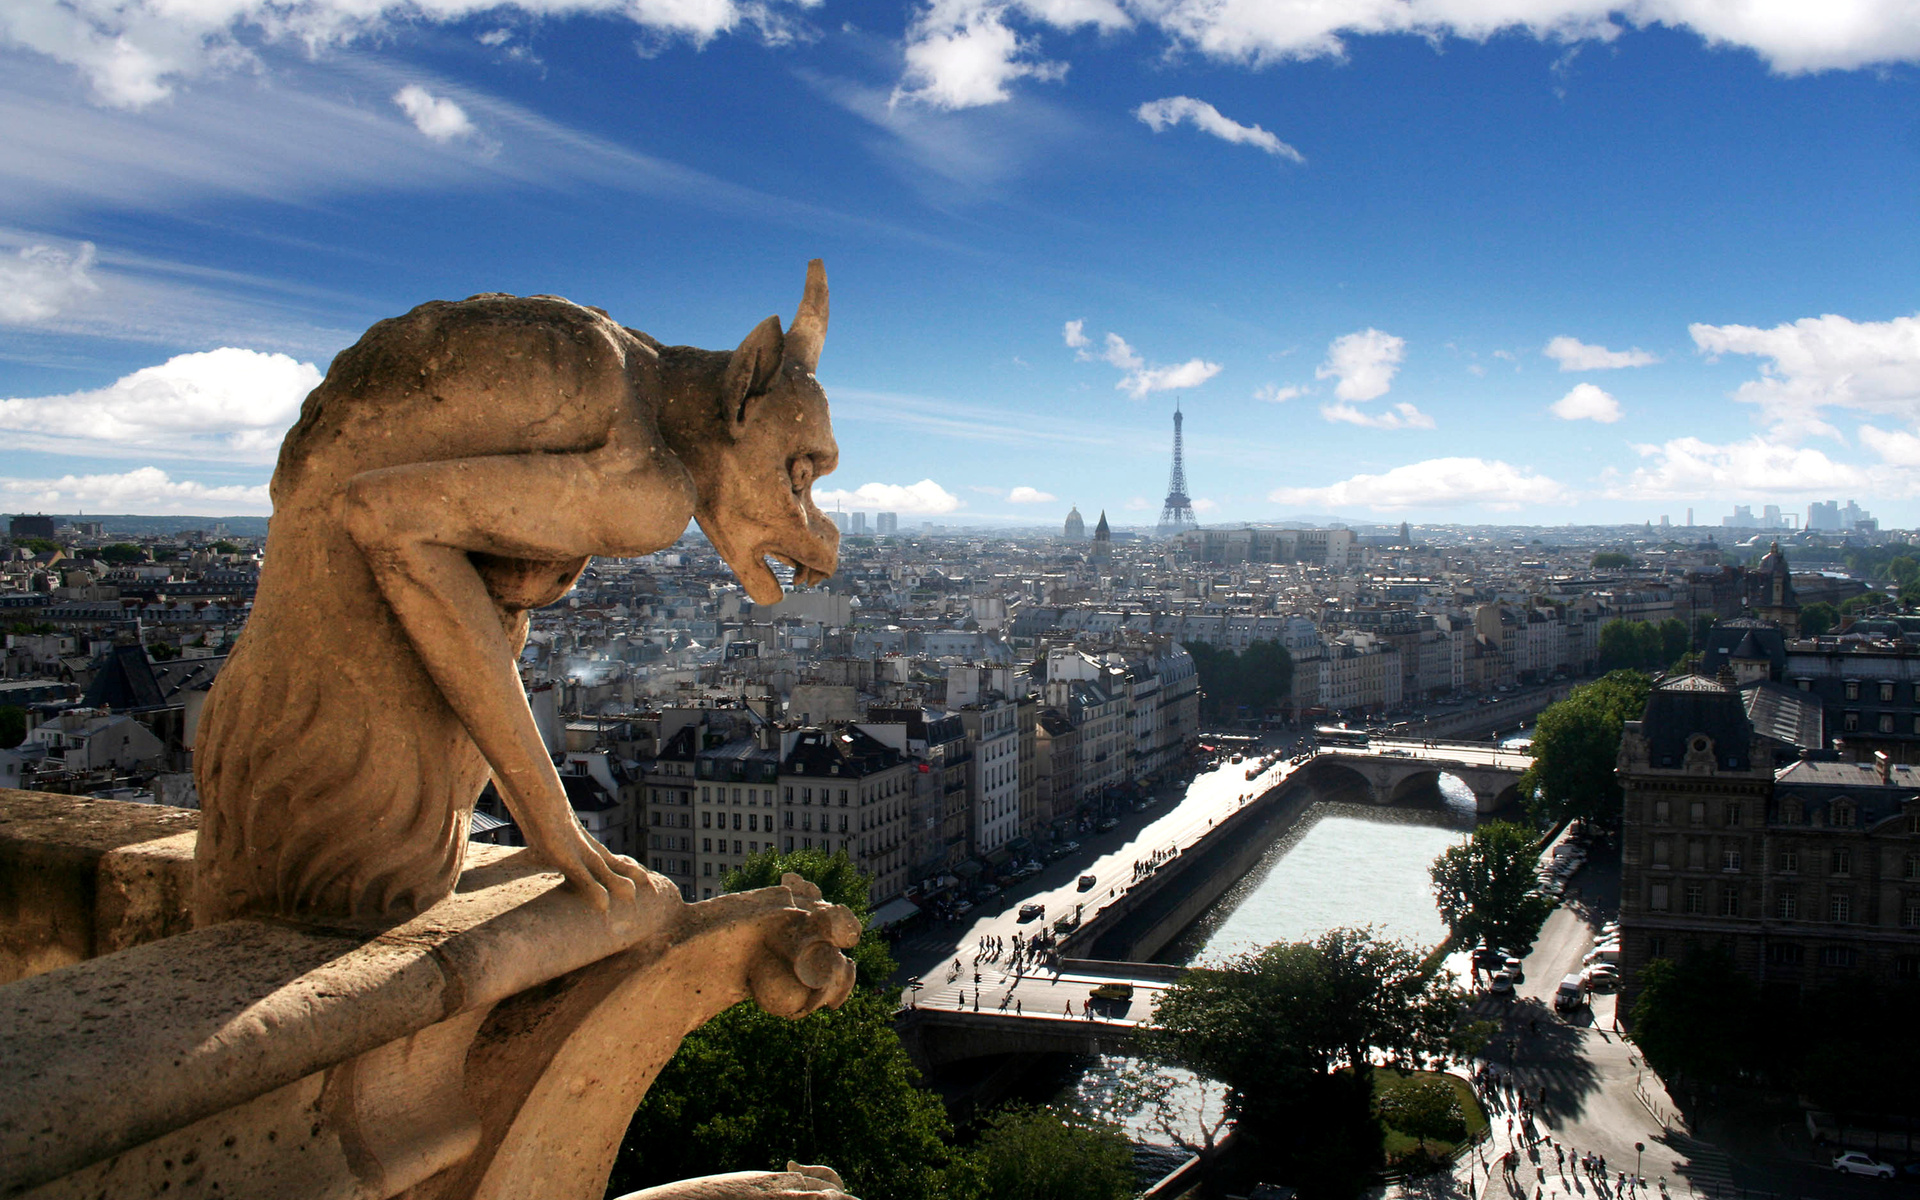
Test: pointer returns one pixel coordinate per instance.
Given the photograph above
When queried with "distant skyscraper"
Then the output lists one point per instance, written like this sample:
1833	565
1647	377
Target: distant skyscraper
1076	528
859	523
1176	516
886	524
839	520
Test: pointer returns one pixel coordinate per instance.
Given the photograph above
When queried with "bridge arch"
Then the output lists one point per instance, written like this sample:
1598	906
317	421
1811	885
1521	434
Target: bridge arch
1417	784
1330	772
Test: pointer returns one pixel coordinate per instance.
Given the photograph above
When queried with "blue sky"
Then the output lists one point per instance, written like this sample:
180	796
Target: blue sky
1457	260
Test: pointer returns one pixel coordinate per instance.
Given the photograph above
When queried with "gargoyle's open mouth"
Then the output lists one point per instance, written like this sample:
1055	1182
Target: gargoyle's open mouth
804	575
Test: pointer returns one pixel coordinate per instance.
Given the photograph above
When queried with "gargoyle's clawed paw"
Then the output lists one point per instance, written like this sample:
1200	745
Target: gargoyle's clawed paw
596	873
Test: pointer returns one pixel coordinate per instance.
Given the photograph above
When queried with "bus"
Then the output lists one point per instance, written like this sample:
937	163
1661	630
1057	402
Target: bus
1340	735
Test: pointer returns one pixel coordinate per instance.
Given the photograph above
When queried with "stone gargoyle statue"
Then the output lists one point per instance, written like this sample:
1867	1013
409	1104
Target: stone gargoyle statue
458	467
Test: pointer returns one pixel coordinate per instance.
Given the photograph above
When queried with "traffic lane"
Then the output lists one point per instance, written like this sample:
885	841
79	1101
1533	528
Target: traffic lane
1041	994
1210	796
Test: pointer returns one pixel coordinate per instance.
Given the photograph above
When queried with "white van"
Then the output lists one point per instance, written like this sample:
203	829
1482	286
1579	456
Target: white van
1606	952
1570	994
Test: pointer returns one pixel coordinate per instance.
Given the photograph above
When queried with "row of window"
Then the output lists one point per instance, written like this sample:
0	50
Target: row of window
1839	859
1841	814
1884	689
1694	901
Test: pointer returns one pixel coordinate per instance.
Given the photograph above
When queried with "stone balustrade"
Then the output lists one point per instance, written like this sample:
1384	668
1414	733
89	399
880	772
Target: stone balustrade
494	1046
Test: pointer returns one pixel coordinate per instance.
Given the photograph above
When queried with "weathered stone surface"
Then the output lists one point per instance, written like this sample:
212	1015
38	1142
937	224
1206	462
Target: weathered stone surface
80	877
458	467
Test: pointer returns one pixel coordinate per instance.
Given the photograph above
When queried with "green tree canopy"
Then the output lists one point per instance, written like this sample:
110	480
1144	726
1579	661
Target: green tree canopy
13	726
1693	1018
749	1091
1864	601
1256	678
1575	745
1044	1154
1611	560
1817	618
1485	888
35	545
1426	1106
119	554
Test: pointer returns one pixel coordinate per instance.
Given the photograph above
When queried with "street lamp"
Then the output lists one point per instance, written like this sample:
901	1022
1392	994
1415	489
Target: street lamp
1639	1148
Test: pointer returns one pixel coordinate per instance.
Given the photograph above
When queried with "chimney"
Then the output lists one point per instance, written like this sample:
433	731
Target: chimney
1883	767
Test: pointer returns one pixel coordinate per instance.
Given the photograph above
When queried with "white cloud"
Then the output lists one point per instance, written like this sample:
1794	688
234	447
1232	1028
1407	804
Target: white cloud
1140	378
436	116
1824	362
1587	403
136	52
142	490
1139	504
1161	115
1434	483
1896	447
967	59
1027	495
227	404
1276	394
1575	355
1688	469
925	498
1202	504
1363	362
1401	416
41	281
964	52
1191	373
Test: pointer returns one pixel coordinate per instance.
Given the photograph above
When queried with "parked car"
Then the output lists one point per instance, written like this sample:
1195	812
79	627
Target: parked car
1087	881
1513	967
1486	958
1600	978
1853	1162
1607	952
1029	911
992	889
1571	994
1071	846
1502	984
1108	823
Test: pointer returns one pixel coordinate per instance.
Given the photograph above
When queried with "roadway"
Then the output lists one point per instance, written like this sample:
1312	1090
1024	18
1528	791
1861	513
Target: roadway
1180	818
1480	755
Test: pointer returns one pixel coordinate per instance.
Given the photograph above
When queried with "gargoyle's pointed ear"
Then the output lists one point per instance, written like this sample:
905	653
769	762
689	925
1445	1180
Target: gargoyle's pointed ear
750	370
809	329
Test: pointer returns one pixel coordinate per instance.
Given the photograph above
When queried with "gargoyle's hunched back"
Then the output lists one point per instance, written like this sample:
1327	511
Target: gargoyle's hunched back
458	467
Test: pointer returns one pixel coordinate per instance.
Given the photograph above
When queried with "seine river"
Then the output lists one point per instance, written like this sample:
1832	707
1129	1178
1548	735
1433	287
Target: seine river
1341	864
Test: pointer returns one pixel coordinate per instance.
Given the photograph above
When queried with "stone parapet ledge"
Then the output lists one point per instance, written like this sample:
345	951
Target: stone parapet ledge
494	1046
81	877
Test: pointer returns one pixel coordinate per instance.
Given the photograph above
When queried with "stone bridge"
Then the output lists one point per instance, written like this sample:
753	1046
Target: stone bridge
941	1027
1394	771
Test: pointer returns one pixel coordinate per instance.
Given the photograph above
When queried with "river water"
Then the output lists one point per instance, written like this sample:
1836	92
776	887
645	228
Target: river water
1340	865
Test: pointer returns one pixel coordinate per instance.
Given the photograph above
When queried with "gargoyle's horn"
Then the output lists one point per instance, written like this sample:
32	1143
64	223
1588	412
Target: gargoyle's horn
809	327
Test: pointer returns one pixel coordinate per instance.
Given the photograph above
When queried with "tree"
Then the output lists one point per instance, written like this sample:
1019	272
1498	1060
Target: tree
1426	1106
1674	640
748	1091
224	547
1045	1154
1256	678
1611	560
119	554
13	726
1292	1031
1631	645
1818	617
1485	889
1864	601
35	545
1575	745
1693	1018
1903	569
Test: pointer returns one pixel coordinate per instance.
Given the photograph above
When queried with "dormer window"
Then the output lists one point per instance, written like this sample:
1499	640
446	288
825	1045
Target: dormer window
1843	814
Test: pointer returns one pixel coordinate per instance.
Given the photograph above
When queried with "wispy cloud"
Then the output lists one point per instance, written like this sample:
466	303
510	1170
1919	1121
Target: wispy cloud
1575	355
1140	378
1438	483
142	490
1160	115
1400	416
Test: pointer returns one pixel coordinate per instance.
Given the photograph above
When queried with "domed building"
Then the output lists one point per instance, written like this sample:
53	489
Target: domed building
1076	528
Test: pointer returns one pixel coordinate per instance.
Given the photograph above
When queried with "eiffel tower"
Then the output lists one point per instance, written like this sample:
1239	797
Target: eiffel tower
1177	515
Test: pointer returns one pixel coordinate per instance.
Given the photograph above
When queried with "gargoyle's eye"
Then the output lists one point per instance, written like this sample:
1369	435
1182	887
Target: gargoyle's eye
802	472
